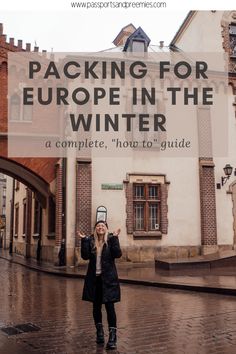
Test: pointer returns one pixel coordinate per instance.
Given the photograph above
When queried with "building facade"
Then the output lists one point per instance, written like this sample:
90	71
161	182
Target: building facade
174	207
166	207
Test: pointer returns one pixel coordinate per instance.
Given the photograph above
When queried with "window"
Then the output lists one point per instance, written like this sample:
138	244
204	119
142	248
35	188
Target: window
232	38
146	205
142	106
3	210
18	111
15	107
138	41
16	219
138	46
51	216
37	218
24	216
27	113
17	185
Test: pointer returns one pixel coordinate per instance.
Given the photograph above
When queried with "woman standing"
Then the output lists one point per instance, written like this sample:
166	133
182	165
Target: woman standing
101	284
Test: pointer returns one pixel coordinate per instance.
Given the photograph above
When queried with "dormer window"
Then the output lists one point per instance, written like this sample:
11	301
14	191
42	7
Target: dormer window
137	42
138	46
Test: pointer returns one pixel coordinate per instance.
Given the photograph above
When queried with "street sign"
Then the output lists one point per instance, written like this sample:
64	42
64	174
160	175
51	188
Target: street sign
114	186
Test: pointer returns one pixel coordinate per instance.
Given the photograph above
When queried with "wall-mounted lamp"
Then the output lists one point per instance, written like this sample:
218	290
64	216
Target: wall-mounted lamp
228	169
101	213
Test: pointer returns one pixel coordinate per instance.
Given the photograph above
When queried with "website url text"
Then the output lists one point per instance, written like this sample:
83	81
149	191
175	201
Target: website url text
118	5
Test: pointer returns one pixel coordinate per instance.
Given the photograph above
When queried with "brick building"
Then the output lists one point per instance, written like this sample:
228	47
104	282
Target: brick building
39	175
165	207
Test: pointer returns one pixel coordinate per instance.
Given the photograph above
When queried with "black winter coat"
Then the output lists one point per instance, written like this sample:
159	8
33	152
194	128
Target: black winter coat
111	287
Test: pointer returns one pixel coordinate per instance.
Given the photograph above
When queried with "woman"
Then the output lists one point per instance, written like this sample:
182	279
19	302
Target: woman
101	284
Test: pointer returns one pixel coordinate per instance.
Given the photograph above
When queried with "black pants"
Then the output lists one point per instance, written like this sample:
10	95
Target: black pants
97	306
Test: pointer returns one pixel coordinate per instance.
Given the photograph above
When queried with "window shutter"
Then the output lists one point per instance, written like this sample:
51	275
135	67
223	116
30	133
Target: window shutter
164	209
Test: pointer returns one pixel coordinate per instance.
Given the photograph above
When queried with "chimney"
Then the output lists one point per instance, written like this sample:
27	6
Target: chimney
52	56
161	44
1	29
4	37
36	49
28	46
12	41
19	43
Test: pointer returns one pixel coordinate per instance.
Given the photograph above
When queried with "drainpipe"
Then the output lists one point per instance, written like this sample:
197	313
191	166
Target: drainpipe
39	245
64	162
12	218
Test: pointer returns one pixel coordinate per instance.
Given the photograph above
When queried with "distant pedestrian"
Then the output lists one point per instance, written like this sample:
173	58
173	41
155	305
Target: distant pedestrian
39	248
62	253
101	284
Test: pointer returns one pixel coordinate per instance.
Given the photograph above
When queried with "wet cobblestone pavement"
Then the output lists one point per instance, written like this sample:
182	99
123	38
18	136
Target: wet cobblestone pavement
150	320
222	278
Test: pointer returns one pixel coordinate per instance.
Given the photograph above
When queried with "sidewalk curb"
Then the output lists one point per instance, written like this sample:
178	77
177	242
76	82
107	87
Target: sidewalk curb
167	285
44	269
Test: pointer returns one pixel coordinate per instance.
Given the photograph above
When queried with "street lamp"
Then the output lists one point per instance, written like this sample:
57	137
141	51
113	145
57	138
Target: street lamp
228	169
101	214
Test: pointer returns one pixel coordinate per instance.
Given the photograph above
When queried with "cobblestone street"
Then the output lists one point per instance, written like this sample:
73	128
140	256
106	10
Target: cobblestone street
150	320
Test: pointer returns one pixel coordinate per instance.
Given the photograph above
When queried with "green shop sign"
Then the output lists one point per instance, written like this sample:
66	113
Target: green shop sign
113	186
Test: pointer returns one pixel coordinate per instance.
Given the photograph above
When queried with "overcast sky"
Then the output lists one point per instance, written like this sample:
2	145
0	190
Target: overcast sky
90	30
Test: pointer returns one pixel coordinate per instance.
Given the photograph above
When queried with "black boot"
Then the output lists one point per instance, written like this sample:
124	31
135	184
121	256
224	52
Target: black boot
111	344
100	333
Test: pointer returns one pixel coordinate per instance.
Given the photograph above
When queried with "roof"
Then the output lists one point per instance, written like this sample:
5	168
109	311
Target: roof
183	26
124	33
151	48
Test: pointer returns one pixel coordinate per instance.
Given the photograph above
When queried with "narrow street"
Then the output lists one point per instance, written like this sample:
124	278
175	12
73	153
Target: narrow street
150	320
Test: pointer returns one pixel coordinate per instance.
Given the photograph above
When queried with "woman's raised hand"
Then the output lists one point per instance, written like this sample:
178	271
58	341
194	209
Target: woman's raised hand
117	232
81	234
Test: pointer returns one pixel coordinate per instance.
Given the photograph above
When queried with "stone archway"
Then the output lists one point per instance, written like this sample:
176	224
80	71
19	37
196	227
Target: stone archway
27	177
43	177
34	183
